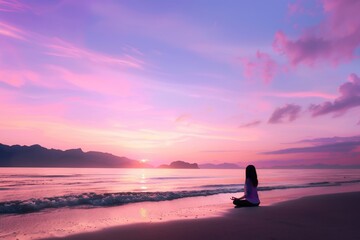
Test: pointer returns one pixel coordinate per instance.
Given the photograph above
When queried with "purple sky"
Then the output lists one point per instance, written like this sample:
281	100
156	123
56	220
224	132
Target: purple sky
199	81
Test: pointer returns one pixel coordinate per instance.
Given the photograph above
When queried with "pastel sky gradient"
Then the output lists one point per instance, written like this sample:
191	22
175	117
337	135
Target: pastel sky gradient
242	81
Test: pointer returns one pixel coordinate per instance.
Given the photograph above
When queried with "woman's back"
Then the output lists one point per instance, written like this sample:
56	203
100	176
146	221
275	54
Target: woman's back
251	192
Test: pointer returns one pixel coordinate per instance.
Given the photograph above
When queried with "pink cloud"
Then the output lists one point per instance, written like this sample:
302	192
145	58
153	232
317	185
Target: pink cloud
183	118
11	31
330	140
17	78
17	110
334	40
250	124
295	7
12	6
299	7
134	50
98	80
349	98
289	111
262	66
307	49
335	150
98	77
309	94
61	48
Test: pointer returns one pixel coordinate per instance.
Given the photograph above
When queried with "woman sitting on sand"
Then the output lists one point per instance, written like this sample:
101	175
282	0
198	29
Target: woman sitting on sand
250	198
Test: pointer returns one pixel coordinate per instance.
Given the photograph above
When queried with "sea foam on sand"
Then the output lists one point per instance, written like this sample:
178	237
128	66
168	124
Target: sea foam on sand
334	216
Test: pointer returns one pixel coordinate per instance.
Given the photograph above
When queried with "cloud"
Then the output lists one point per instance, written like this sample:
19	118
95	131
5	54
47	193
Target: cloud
327	150
12	6
250	124
340	147
17	78
296	8
61	48
99	75
262	66
309	94
329	140
183	118
220	151
12	32
349	98
290	111
98	80
333	40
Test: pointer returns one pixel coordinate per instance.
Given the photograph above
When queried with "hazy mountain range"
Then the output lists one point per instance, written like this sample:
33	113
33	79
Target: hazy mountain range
38	156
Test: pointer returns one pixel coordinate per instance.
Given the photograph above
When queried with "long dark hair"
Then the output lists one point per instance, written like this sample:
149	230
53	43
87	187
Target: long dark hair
251	174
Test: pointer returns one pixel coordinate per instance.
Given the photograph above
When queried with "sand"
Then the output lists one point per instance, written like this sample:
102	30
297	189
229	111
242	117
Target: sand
334	216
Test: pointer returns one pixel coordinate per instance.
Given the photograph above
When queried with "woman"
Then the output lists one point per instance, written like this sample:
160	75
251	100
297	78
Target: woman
250	198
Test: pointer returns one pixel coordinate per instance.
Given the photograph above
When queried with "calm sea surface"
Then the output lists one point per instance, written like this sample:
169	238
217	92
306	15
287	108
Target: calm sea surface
25	190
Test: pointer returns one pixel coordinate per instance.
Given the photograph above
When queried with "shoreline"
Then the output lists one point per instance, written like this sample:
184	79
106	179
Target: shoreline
331	216
65	222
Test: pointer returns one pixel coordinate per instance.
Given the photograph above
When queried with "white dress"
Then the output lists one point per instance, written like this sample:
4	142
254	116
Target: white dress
251	193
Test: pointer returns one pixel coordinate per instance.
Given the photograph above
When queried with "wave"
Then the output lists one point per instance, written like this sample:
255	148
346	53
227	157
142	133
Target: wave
171	178
349	181
319	183
41	176
121	198
106	199
221	185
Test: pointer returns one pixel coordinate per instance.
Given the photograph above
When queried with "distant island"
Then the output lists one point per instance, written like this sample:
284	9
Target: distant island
219	166
180	164
38	156
317	166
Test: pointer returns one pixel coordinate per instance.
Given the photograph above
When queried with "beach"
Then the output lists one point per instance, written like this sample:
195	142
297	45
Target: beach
332	216
66	203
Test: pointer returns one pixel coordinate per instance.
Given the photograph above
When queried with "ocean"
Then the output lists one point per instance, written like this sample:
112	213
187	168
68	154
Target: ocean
26	190
37	203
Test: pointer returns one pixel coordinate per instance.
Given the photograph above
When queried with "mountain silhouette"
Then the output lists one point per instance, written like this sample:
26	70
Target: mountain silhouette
38	156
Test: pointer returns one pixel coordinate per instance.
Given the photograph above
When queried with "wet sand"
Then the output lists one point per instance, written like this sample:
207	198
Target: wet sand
334	216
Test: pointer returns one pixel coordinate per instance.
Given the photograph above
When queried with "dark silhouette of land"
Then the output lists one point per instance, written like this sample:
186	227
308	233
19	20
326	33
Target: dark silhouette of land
316	166
38	156
219	166
180	164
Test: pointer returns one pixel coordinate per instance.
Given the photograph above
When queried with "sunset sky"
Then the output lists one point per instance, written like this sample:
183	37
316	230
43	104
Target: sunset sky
264	82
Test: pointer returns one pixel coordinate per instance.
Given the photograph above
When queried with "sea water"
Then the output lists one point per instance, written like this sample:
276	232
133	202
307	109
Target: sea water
50	202
24	190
